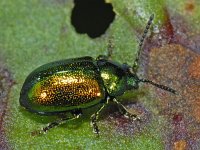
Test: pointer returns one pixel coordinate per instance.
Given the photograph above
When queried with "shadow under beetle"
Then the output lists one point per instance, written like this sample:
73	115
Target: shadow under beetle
75	84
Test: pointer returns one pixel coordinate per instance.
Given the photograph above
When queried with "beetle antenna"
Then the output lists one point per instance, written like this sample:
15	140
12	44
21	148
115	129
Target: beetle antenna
135	65
158	85
145	32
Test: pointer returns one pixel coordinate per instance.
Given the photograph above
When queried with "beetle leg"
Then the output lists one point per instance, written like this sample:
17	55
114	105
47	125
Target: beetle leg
110	48
95	117
124	111
54	124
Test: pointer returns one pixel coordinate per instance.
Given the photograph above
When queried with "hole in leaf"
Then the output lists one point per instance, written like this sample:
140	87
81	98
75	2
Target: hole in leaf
92	17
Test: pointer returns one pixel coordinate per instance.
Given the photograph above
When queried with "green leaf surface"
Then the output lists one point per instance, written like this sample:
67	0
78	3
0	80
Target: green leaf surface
36	32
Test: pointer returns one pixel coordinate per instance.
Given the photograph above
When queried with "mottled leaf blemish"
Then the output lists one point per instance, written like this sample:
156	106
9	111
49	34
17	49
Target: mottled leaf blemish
190	6
171	65
6	83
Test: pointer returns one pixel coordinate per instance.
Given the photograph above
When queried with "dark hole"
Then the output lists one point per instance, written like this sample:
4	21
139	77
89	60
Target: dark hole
92	17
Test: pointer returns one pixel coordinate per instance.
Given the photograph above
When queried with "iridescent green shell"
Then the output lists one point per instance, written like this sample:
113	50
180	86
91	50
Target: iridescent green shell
62	86
116	77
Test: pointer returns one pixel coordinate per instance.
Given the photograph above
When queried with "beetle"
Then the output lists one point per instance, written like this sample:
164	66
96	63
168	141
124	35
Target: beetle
68	86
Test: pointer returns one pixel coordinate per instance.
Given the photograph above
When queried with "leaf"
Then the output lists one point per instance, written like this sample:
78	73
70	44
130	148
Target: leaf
35	32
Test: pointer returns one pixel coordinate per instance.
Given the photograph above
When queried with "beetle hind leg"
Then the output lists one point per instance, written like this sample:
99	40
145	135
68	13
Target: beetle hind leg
55	124
125	112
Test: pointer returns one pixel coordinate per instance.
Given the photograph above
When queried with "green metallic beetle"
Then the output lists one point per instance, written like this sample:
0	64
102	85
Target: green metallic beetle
71	85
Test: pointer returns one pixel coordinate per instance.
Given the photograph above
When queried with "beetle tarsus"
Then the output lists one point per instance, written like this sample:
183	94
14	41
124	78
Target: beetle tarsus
125	112
37	132
132	116
94	124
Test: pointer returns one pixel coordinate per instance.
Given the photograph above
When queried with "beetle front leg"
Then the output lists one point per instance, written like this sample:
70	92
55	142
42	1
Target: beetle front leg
125	112
54	124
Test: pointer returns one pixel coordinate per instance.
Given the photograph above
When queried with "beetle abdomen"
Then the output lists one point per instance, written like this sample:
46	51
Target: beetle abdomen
62	86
